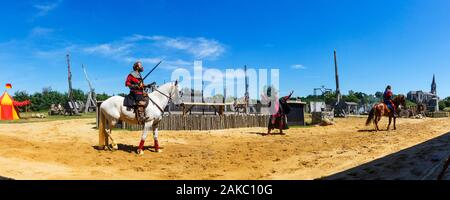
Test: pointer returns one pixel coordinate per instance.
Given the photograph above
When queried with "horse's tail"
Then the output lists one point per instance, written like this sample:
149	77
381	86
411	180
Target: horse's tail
102	139
371	116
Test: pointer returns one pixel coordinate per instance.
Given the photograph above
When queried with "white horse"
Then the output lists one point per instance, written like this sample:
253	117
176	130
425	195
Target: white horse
112	110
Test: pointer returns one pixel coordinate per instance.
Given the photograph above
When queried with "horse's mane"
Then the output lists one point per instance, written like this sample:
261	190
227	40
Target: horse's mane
399	99
400	96
164	86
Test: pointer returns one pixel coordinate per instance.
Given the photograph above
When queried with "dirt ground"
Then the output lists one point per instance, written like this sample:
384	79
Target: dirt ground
66	150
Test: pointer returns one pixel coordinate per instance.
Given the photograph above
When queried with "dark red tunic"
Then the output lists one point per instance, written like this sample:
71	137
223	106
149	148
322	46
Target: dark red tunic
134	78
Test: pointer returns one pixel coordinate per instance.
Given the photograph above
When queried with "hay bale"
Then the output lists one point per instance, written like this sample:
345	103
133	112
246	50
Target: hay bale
38	115
326	122
320	117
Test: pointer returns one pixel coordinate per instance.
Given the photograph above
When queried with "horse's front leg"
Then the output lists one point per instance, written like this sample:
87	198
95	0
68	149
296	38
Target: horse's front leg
147	127
395	120
155	138
389	125
375	122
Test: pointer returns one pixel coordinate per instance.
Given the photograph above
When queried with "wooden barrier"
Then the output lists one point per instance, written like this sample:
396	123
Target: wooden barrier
204	122
437	114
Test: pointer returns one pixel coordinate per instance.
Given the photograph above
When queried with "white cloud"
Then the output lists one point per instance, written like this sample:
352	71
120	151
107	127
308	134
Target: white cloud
200	48
52	54
40	31
138	37
44	9
152	49
298	66
109	50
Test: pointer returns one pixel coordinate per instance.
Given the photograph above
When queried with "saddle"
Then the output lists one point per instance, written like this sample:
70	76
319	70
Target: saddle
389	111
386	107
138	107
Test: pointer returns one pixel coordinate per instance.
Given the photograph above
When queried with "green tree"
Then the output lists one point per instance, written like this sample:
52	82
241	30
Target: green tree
350	98
442	105
21	96
379	95
36	101
446	102
330	97
102	97
79	95
410	104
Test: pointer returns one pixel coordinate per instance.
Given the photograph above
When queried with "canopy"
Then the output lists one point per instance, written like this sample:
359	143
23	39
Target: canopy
8	107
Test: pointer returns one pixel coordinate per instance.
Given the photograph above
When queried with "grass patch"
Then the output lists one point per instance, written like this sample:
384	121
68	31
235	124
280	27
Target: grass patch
26	118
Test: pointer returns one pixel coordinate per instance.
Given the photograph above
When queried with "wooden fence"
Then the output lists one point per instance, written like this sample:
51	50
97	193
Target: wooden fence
437	114
204	122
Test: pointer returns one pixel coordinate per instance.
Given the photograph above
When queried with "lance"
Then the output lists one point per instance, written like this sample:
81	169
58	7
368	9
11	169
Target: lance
152	70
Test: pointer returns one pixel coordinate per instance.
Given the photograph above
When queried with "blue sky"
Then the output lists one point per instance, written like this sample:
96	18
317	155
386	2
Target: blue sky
379	42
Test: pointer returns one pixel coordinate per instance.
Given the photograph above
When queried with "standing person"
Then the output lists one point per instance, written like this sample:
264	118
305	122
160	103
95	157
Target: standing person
279	119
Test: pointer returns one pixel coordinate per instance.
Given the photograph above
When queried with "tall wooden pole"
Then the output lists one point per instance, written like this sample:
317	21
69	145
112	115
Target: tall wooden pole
69	78
74	110
247	95
338	91
91	101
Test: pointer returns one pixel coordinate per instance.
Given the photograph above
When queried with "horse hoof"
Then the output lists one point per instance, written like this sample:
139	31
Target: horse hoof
158	150
115	147
140	152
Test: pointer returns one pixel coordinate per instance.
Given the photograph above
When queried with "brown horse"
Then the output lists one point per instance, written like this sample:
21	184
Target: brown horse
381	109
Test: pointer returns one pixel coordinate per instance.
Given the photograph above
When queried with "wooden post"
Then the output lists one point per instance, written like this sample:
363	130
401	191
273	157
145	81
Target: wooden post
247	95
338	91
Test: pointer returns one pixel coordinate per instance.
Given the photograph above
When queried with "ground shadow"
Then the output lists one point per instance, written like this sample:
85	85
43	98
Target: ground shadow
129	148
5	179
265	134
424	161
372	130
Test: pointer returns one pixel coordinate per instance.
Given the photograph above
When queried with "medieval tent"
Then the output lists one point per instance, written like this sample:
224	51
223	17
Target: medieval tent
8	107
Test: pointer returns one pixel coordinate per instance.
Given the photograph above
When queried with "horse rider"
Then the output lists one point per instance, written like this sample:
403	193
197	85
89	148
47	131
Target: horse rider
136	84
387	99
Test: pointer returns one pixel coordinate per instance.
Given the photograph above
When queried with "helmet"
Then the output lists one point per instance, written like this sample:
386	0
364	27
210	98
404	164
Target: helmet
388	87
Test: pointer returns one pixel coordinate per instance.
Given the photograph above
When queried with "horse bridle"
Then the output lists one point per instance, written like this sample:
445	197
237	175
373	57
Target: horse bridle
165	95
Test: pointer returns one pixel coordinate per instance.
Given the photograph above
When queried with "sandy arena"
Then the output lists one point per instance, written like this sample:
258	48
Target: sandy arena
66	150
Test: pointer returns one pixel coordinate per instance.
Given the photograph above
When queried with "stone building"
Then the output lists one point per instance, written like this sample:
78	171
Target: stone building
430	99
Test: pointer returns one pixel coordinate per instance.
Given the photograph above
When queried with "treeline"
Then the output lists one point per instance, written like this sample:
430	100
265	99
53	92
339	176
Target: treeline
41	101
444	104
356	97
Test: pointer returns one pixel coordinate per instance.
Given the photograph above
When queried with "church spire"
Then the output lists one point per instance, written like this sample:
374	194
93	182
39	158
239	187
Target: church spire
433	86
